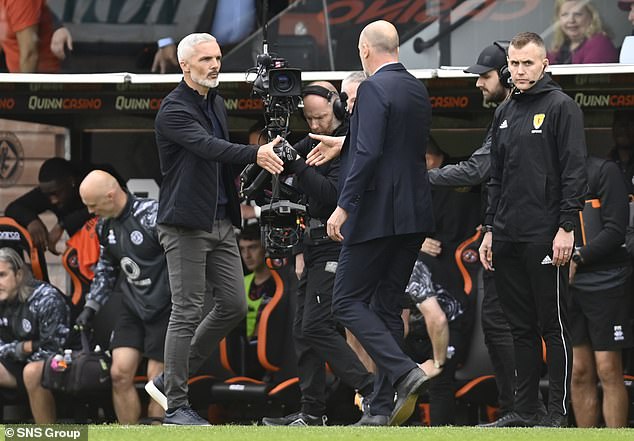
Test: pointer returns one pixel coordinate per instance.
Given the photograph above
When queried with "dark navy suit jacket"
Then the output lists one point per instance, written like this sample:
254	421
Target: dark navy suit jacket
383	183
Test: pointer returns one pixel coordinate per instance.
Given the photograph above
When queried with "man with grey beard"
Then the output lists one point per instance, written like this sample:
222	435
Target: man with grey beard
198	208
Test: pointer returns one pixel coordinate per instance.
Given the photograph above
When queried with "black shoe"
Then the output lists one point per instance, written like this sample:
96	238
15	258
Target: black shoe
408	389
156	389
511	419
296	419
553	420
184	416
372	420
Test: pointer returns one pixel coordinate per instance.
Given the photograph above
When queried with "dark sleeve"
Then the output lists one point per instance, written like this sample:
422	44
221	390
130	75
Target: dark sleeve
473	171
53	323
106	272
74	221
56	22
316	185
180	127
27	207
572	153
497	165
614	215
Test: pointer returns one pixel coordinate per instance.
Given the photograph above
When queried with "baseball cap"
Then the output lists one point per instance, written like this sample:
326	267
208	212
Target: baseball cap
492	57
625	5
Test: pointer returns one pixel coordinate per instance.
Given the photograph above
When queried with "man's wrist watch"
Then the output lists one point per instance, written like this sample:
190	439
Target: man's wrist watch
487	228
567	226
576	257
438	365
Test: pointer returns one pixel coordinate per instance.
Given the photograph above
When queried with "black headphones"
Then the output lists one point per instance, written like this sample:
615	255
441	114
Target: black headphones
338	101
503	72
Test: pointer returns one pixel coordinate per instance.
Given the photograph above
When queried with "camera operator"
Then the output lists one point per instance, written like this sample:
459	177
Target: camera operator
317	340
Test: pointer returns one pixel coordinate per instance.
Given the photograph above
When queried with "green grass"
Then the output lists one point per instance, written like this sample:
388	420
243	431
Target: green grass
336	433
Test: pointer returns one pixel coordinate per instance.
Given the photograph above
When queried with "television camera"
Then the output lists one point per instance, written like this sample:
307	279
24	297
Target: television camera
282	215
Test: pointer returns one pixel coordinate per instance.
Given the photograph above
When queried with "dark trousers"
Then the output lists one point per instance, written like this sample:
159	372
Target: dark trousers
317	341
196	258
499	343
369	288
534	298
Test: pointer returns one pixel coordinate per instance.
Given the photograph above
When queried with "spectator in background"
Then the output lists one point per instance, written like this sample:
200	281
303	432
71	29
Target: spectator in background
129	246
26	30
579	37
599	301
627	48
34	320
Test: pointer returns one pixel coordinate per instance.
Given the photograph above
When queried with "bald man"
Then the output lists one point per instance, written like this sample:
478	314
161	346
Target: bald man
383	213
128	243
317	340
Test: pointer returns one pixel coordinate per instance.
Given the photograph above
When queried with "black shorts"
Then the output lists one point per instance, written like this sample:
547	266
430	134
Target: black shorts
15	368
601	318
147	337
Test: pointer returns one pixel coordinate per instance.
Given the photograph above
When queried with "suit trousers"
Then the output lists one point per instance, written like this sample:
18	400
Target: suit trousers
368	297
318	341
499	343
196	259
533	294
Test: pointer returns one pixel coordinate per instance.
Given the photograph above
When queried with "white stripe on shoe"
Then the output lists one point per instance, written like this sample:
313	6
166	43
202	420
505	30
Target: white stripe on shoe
156	394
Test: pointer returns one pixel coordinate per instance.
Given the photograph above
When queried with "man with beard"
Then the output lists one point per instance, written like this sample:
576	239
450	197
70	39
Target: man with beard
198	208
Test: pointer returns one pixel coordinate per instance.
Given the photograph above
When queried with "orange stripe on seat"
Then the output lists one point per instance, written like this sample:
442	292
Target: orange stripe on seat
466	277
264	321
243	380
471	384
36	265
283	385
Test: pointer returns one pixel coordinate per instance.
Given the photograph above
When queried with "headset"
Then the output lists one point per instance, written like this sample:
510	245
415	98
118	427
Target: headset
338	101
503	72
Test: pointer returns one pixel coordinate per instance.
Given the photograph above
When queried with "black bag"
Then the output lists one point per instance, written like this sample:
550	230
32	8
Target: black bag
88	373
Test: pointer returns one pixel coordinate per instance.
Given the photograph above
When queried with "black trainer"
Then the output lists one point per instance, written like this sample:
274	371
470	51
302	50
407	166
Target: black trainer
511	419
553	420
296	419
184	416
156	389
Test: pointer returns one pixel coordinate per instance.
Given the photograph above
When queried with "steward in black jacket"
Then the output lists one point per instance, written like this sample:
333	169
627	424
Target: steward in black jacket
538	178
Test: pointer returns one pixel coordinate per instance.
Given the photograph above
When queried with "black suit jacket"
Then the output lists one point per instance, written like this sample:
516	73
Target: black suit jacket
191	158
383	180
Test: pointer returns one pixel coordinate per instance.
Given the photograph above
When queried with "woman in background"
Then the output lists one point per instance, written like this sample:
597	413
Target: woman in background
579	37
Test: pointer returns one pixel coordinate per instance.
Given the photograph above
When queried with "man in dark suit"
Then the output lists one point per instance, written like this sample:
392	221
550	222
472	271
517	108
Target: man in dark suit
382	215
198	208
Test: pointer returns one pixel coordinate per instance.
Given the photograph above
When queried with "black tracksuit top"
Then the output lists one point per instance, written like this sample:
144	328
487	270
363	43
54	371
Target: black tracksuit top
538	174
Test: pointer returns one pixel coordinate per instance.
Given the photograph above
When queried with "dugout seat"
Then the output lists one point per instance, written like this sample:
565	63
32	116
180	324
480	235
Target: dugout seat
244	396
476	392
14	235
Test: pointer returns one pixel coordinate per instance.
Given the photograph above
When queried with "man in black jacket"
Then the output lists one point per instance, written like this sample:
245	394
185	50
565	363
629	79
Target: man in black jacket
129	245
537	186
198	208
599	303
493	81
317	340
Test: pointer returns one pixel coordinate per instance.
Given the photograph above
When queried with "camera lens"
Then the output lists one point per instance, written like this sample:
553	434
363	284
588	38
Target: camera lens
283	83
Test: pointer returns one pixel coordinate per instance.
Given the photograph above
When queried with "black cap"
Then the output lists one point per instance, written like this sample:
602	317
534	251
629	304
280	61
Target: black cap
491	58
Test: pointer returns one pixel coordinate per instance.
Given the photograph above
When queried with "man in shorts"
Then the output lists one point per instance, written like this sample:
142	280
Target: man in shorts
129	243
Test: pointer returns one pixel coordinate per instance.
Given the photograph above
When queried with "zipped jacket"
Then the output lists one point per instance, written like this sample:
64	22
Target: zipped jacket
538	156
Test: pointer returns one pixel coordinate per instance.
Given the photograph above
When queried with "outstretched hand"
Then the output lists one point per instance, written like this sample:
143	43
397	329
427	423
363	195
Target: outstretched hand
329	147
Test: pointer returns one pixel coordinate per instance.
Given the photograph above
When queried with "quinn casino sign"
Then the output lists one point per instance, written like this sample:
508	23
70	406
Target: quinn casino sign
11	159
